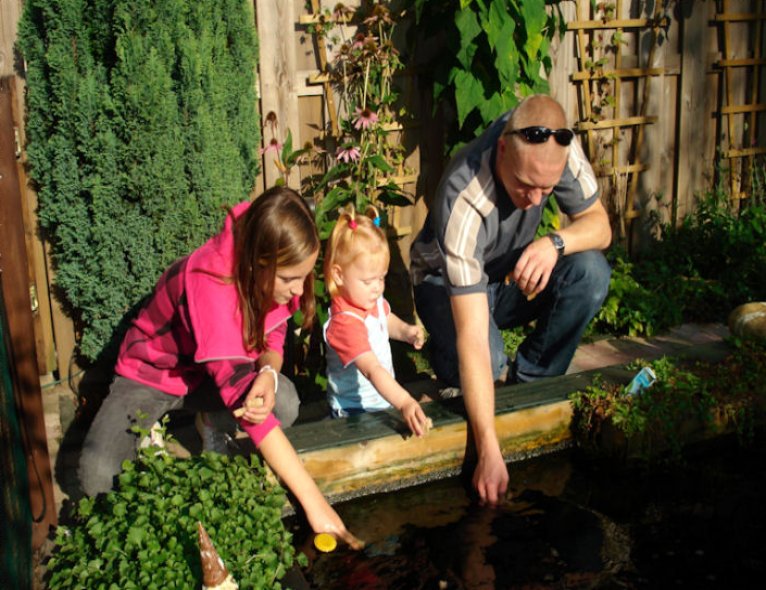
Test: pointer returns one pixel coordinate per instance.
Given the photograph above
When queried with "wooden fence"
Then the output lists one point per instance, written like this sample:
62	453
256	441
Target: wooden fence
667	98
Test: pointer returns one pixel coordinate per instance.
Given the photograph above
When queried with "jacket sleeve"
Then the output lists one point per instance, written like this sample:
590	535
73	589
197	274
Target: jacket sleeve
233	378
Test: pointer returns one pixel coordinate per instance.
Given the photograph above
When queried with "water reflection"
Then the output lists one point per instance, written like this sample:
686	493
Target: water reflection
569	524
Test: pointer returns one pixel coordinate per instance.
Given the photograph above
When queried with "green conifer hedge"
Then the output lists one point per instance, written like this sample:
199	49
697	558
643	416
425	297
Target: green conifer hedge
141	127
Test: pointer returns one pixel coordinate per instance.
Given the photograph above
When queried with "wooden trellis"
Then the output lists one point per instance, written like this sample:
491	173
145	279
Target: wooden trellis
613	80
742	40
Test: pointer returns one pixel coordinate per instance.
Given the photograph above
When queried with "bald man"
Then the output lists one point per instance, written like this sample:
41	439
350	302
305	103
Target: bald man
477	266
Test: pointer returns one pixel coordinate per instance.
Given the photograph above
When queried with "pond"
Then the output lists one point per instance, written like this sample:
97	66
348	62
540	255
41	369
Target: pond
571	523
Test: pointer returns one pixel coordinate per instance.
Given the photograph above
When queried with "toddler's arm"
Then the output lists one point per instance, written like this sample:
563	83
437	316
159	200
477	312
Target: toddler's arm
394	393
398	329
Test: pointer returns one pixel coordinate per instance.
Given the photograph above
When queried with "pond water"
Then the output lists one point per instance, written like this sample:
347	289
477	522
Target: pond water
571	523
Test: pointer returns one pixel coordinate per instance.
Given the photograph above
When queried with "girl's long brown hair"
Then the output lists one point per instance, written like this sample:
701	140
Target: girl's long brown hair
277	230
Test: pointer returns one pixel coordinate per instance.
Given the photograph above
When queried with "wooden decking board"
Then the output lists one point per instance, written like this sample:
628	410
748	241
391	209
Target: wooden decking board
328	433
374	452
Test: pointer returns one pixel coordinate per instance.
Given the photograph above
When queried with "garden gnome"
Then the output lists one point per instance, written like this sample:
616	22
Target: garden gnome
748	321
215	576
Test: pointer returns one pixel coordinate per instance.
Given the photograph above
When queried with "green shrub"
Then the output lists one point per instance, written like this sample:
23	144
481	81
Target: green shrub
704	392
496	52
699	271
141	129
144	535
713	261
630	307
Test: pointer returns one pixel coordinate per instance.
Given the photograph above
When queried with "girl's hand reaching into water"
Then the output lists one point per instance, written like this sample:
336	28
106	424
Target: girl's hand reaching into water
324	519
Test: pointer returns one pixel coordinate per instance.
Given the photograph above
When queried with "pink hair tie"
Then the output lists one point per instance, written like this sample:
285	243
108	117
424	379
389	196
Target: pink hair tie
352	224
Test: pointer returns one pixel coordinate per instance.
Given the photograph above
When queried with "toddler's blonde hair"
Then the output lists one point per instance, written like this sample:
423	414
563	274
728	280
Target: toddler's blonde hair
354	235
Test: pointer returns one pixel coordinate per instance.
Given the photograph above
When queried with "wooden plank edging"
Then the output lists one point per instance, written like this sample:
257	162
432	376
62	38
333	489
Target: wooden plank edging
396	461
372	453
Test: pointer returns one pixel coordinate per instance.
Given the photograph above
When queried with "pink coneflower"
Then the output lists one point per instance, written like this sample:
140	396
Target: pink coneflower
359	40
273	145
379	14
365	118
342	13
347	153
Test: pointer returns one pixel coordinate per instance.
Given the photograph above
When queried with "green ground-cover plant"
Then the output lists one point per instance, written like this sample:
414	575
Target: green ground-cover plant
141	127
729	391
144	533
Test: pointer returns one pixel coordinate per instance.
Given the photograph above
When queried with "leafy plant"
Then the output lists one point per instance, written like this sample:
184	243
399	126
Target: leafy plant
699	271
497	53
513	338
716	256
359	160
658	417
141	129
143	534
631	308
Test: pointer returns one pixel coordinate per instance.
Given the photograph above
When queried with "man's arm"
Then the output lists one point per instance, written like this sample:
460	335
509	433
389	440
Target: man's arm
471	316
588	230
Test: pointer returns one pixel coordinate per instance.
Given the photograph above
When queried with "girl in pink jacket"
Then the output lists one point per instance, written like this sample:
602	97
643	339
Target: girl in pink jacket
212	335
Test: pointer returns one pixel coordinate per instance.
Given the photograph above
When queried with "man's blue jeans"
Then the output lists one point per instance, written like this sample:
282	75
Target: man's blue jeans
576	290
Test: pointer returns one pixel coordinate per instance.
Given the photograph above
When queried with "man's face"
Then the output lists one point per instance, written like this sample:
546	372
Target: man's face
528	175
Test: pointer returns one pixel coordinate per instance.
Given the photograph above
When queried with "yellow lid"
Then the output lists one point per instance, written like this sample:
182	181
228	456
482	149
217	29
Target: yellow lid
325	542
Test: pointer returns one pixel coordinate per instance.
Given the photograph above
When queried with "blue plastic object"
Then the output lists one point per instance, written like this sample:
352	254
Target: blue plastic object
644	379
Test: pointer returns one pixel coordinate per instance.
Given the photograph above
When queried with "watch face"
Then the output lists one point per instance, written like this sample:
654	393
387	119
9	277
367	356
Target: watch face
557	242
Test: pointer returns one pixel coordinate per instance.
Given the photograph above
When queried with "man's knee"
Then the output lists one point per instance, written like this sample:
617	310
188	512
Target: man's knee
591	272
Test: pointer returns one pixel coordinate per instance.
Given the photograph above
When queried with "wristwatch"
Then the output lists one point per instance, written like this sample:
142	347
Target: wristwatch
558	243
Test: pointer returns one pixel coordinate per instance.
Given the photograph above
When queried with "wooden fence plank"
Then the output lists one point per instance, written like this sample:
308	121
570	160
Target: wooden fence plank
697	127
10	12
276	34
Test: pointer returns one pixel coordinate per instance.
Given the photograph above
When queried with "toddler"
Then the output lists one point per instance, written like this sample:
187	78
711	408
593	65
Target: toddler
359	366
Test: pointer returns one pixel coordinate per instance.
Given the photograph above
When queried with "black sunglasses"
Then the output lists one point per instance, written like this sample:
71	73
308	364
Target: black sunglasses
539	134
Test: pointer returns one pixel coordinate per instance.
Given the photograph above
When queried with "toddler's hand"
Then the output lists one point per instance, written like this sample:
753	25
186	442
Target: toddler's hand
415	337
415	417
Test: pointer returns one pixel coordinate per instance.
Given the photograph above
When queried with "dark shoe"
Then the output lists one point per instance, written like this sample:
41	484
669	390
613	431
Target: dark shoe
512	378
449	393
213	439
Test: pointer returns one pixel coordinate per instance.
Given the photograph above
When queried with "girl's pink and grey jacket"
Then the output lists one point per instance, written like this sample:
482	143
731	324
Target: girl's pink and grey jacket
192	327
